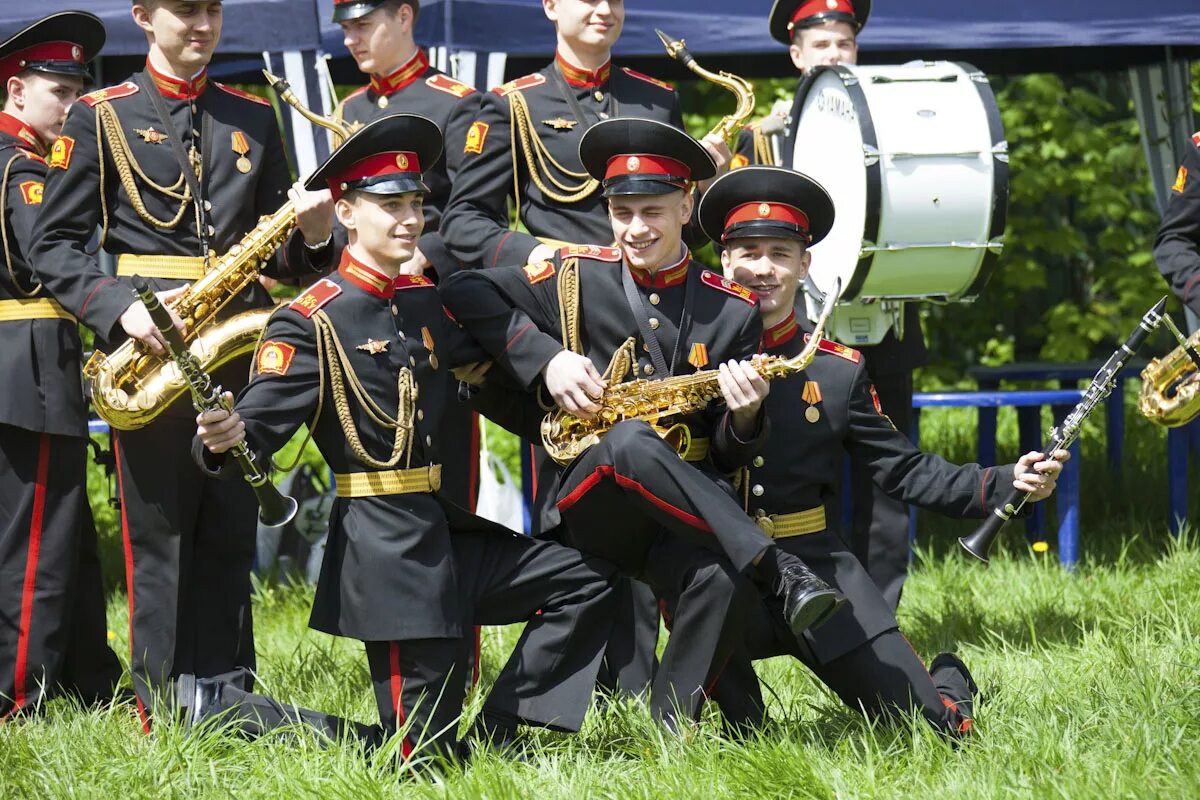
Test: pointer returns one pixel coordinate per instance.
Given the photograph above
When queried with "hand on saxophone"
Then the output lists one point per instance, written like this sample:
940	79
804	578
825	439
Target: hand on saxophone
314	213
220	429
721	154
137	324
574	383
744	391
1038	477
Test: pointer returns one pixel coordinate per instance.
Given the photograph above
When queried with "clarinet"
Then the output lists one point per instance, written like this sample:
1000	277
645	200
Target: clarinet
275	509
978	543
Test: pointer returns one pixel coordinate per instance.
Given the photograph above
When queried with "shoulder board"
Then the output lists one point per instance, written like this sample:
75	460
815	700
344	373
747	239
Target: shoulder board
1196	138
633	73
244	95
444	83
835	349
317	296
590	251
527	82
126	89
412	282
710	278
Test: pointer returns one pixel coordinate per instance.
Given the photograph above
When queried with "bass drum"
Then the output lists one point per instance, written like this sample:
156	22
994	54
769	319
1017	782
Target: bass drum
916	161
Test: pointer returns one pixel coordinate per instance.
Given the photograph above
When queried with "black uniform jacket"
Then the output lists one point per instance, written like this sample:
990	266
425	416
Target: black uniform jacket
801	466
389	570
477	220
514	312
83	191
40	357
417	88
1177	247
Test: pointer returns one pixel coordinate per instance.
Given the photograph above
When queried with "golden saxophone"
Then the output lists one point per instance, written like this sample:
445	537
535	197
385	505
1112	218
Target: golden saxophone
131	386
730	124
662	402
1170	393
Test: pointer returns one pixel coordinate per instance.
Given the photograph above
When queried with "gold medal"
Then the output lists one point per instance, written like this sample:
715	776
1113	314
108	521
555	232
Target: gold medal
433	361
243	165
812	414
241	145
812	396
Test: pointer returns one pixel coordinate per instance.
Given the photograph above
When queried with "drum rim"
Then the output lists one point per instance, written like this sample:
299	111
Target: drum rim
1000	178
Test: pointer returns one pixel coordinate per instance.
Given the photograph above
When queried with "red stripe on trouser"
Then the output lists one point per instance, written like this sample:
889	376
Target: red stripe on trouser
397	686
533	473
473	464
128	566
609	471
31	567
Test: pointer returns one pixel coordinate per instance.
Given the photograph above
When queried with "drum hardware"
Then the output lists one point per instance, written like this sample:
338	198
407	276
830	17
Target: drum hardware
894	247
941	79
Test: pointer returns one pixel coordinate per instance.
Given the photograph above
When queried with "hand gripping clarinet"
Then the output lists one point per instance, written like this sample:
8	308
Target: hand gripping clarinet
1062	436
274	509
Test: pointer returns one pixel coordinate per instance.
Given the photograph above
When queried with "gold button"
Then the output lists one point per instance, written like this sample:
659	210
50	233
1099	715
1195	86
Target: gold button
382	102
193	108
412	361
212	231
646	346
208	205
757	490
758	461
654	323
654	299
599	95
396	311
648	369
428	441
420	415
603	115
400	333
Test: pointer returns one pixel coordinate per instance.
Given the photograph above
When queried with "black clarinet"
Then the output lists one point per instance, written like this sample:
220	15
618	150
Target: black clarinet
1060	437
274	508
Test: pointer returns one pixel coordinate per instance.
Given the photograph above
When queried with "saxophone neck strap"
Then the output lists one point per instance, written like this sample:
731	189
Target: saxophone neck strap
638	307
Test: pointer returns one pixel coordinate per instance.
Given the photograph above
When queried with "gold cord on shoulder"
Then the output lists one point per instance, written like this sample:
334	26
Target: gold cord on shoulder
542	166
568	304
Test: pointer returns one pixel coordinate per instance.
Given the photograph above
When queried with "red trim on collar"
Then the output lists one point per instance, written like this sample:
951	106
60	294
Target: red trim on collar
408	72
367	278
663	277
176	89
782	333
19	130
580	78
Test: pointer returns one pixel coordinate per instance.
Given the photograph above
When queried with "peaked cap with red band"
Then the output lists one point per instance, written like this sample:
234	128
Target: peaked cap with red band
382	157
344	10
60	44
766	201
643	156
789	16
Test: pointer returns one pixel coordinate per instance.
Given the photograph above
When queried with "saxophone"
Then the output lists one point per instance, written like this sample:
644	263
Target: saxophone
131	386
1170	394
730	124
661	402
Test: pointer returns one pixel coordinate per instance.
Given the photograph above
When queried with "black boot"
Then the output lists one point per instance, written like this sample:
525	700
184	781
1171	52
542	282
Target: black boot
808	601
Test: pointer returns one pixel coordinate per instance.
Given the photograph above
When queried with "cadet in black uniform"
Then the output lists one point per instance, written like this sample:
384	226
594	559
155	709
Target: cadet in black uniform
52	625
648	308
189	541
819	33
358	358
767	217
1177	246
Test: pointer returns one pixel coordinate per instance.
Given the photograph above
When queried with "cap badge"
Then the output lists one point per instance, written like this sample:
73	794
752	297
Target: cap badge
632	163
76	53
402	161
831	4
764	209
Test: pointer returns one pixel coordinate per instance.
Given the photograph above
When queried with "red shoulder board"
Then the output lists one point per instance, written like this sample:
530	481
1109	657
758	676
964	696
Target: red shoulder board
590	251
125	89
633	73
244	95
1196	138
444	83
710	278
31	154
318	295
527	82
412	282
835	349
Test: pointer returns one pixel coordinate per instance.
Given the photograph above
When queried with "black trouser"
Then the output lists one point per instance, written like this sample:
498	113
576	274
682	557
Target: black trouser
879	538
563	596
53	634
189	546
631	500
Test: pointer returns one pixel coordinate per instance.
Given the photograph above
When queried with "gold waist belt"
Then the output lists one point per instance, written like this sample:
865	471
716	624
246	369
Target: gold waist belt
181	268
32	308
781	526
419	480
697	450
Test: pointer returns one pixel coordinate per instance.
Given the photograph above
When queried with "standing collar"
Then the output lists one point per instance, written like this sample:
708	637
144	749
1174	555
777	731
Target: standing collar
365	277
581	78
408	72
19	130
780	333
175	88
663	277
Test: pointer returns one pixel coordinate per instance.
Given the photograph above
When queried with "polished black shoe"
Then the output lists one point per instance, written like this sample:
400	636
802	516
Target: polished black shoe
808	601
194	697
948	671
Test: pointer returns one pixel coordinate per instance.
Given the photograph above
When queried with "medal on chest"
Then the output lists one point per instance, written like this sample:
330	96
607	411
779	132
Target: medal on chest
812	396
427	340
241	145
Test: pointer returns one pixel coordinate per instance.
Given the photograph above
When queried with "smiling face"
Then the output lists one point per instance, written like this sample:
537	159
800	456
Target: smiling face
587	24
186	34
649	228
824	45
381	40
42	100
770	267
383	228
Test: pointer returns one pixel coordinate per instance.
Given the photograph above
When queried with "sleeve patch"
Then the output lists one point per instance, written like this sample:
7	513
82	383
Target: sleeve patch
318	295
591	251
412	282
835	349
31	192
60	152
274	358
244	95
125	89
541	271
738	162
1180	180
715	281
526	82
633	73
476	136
444	83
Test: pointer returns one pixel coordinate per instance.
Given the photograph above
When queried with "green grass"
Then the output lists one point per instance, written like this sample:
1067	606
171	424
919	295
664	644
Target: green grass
1091	682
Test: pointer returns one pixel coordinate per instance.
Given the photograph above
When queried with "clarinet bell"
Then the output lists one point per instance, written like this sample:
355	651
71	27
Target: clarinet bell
275	509
979	543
